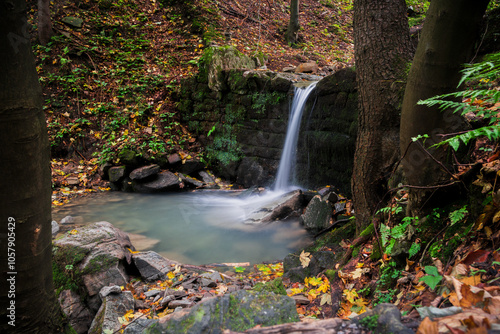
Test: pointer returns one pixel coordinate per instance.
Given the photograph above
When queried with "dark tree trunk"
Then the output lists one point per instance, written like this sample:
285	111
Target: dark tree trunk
26	290
44	22
447	40
382	52
293	25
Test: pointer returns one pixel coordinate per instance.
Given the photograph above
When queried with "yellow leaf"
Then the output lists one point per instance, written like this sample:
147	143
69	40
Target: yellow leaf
305	258
170	275
326	298
350	295
73	232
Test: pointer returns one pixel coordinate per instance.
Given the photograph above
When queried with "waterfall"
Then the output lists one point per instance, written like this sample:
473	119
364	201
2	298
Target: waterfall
287	160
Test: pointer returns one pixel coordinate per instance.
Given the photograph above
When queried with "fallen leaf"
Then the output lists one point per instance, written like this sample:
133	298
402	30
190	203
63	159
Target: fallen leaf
305	258
427	326
326	298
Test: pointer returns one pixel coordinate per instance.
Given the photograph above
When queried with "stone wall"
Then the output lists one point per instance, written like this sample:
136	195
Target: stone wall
243	125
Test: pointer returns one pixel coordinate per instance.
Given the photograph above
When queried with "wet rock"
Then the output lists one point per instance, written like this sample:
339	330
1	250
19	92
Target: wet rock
388	319
79	316
140	325
71	220
292	205
250	173
72	21
174	159
152	266
208	180
164	181
113	307
116	174
144	172
317	215
239	311
190	182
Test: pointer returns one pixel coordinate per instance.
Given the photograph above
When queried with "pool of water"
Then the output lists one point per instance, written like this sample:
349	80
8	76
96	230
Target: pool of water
193	228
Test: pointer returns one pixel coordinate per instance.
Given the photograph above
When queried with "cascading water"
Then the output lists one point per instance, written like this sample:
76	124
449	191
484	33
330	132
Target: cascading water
287	160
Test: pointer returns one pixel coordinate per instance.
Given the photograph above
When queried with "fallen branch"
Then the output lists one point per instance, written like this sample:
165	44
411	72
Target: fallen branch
319	326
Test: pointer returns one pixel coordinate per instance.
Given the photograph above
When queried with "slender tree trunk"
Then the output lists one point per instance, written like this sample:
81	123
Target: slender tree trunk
44	22
27	300
447	40
293	25
382	53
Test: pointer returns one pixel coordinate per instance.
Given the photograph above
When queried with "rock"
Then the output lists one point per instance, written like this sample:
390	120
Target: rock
317	215
250	173
140	325
180	303
107	290
128	157
164	181
388	319
152	266
191	166
297	274
288	69
55	228
113	307
210	279
116	174
152	293
237	311
98	251
301	300
144	172
73	181
71	220
174	159
281	83
220	59
72	21
310	67
322	260
79	316
292	204
208	180
103	170
190	182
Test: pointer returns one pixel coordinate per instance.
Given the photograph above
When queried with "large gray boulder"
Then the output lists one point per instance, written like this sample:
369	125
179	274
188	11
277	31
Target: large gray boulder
237	311
317	215
144	172
96	255
113	306
152	266
165	181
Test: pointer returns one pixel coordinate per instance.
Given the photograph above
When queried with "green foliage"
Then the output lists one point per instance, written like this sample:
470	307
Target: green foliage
477	101
370	322
389	235
432	278
458	215
414	249
260	100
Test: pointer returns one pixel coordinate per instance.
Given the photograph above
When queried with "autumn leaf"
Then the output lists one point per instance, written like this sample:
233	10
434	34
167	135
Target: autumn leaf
305	258
427	326
350	295
326	298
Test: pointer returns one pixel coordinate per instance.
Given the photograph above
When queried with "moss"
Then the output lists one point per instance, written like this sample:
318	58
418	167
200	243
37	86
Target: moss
376	253
368	231
370	322
331	274
275	286
355	251
64	268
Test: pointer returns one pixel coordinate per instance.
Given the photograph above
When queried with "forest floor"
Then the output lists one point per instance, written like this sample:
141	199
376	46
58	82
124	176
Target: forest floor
110	77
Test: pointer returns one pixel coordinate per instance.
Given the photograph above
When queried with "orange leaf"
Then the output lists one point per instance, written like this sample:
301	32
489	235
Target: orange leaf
427	326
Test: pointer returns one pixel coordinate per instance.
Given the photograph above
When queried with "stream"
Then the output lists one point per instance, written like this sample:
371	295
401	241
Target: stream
201	227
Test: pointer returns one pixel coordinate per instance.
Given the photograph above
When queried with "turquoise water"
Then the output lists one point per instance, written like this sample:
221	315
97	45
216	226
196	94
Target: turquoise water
192	228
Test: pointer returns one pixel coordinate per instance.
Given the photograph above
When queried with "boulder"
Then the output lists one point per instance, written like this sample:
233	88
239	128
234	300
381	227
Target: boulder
165	181
208	180
317	215
55	227
113	307
140	325
152	266
99	251
144	172
79	316
116	174
190	182
237	311
191	166
291	205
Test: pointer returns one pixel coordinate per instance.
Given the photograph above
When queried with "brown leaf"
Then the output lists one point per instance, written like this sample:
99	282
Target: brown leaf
470	298
493	306
427	326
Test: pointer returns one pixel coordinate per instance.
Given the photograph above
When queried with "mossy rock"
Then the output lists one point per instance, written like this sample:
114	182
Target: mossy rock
275	286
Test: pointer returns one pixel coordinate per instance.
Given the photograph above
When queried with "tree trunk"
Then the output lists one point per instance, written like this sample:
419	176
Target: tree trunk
293	25
382	53
44	22
27	297
447	41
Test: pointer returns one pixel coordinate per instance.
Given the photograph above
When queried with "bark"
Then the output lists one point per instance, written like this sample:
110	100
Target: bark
293	25
447	40
44	22
382	53
25	185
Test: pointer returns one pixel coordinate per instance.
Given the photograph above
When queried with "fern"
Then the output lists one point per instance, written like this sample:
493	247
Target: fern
473	101
458	215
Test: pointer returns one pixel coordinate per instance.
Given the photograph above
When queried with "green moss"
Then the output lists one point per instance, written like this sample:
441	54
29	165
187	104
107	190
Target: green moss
331	274
370	322
65	273
355	251
376	253
367	231
275	286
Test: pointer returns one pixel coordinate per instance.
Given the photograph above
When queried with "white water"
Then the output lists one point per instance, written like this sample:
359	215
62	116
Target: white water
288	155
